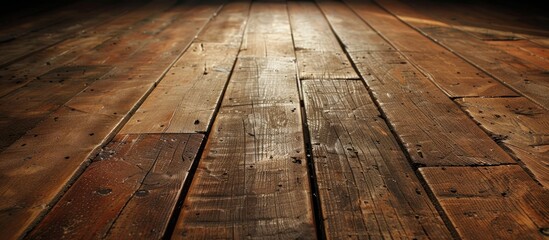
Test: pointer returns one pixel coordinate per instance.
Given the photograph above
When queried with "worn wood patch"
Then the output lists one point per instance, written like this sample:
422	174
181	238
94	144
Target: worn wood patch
453	75
129	190
319	55
364	179
186	98
57	148
522	76
497	202
431	126
520	125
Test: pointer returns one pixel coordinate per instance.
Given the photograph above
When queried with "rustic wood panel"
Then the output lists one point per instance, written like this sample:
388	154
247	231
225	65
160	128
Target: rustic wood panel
497	202
520	125
63	83
252	178
268	35
431	126
37	167
30	69
525	50
365	181
453	75
50	35
128	191
522	76
186	98
319	55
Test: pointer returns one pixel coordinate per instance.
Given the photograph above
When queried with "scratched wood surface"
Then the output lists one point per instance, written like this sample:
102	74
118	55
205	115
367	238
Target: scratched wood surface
59	146
229	119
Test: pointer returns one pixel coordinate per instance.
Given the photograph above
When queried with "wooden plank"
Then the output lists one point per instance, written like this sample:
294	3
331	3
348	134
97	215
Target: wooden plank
38	166
430	125
453	75
129	190
499	202
318	53
46	37
523	77
29	69
525	50
520	125
50	91
40	98
186	98
364	180
268	35
252	178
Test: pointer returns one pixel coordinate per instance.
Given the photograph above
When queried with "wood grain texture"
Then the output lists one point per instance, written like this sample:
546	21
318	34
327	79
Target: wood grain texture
430	125
31	68
48	36
268	35
365	181
453	75
37	167
524	77
318	53
520	125
525	50
497	202
252	178
186	98
68	80
128	191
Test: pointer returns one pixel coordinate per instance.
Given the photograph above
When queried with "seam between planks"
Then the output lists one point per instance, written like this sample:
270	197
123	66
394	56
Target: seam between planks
458	54
311	170
172	224
95	151
415	167
415	66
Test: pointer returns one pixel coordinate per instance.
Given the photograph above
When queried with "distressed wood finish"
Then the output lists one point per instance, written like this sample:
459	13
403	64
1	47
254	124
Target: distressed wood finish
252	179
522	76
365	181
433	129
453	75
50	35
520	125
180	104
497	202
128	191
319	55
525	50
268	35
37	167
29	69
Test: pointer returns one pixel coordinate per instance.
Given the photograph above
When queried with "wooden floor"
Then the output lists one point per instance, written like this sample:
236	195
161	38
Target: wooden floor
381	119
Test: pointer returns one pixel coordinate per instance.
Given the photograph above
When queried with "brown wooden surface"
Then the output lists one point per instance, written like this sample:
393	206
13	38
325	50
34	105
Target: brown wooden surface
365	182
179	103
30	69
274	120
524	77
453	75
519	125
433	129
61	144
129	190
319	55
252	180
497	202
